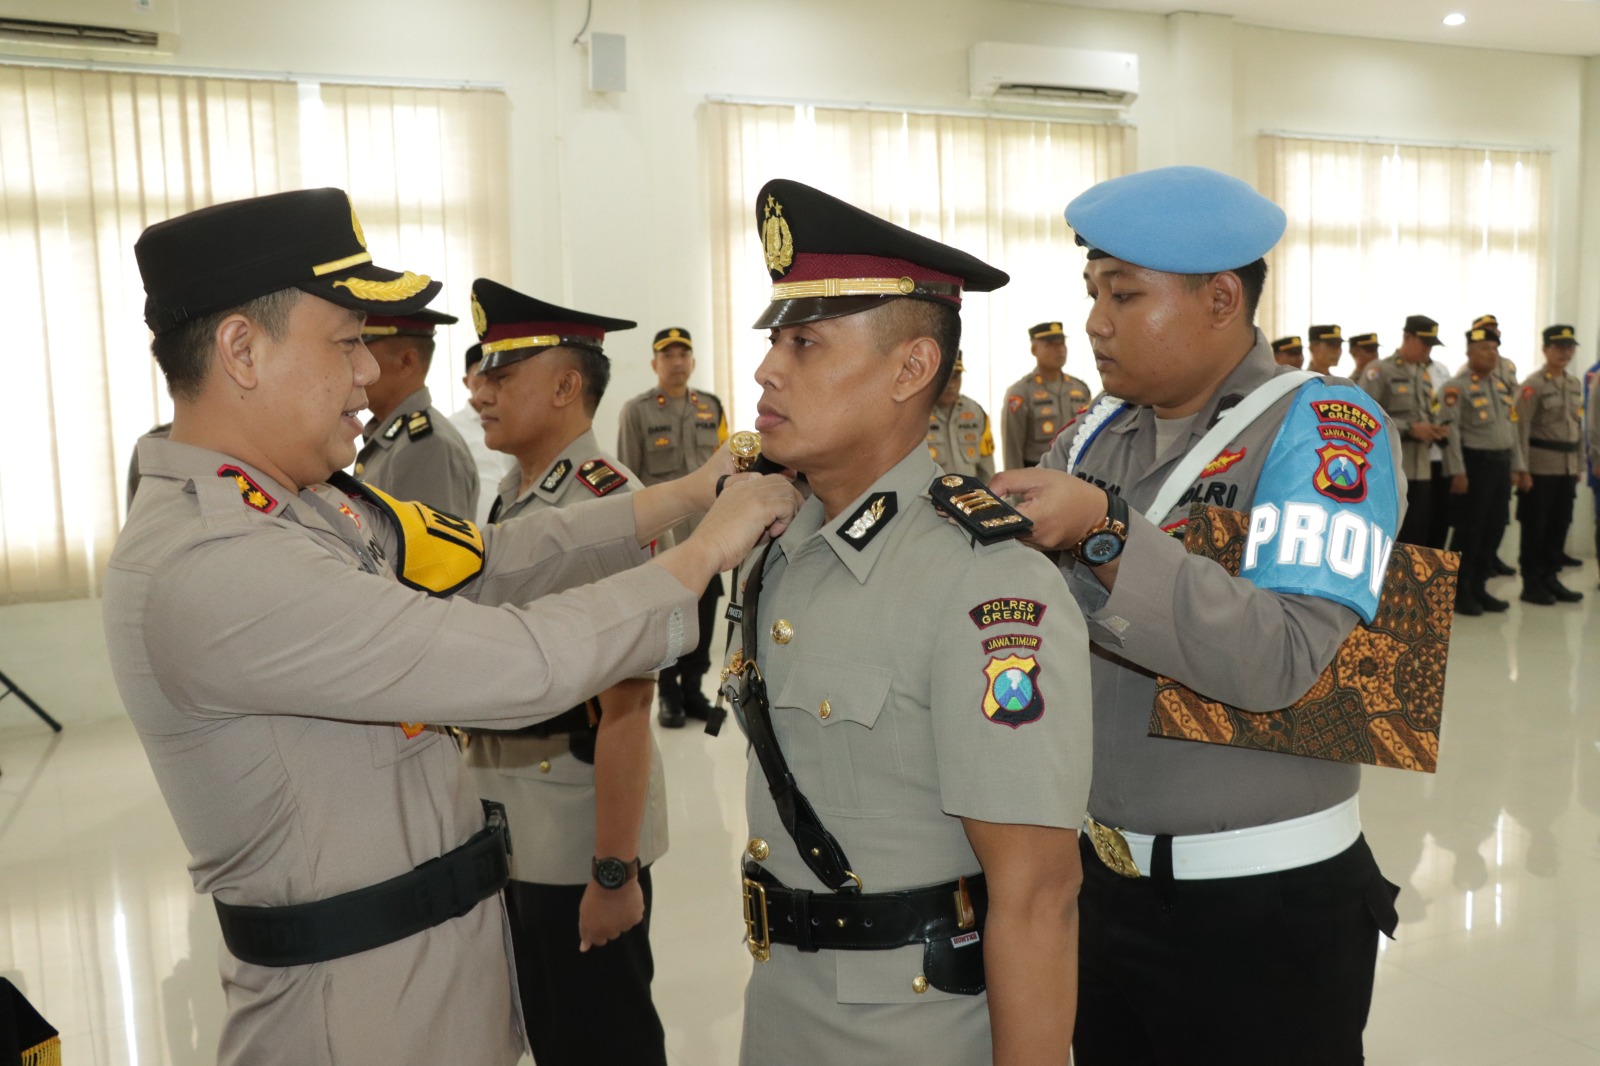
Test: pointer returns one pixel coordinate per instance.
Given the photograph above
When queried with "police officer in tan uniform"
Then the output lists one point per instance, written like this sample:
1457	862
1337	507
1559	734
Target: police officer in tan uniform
664	433
1288	351
1550	413
1402	385
1505	369
583	792
490	464
1215	873
1043	401
412	452
1327	345
1483	458
925	693
1363	353
959	438
281	633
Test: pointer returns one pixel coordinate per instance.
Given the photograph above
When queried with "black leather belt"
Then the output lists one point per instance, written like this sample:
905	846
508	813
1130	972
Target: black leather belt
812	921
299	934
1568	446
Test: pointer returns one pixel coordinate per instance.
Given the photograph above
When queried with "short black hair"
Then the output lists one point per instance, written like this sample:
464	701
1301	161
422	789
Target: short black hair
901	318
1253	277
184	352
595	369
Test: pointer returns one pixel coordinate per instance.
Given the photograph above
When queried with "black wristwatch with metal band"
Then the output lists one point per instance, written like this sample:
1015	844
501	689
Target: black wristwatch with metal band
1105	541
613	873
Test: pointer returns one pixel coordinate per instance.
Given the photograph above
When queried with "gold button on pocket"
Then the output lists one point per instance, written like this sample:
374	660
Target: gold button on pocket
825	710
544	766
758	850
782	632
919	984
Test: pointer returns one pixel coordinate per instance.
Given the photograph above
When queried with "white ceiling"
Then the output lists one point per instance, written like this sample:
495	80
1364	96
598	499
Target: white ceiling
1562	27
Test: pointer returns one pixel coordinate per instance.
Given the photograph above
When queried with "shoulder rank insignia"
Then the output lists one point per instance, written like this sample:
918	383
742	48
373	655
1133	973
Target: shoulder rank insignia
858	529
556	476
600	477
977	510
394	428
253	494
419	425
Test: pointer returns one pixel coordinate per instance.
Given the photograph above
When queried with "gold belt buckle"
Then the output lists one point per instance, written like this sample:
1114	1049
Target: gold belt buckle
1112	847
760	945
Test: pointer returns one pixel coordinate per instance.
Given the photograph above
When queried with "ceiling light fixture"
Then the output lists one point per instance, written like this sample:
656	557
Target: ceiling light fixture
1455	19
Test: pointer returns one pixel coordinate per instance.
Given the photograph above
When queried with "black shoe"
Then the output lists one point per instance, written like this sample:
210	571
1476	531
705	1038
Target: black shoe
1491	603
1467	603
1534	591
1500	569
1564	560
671	713
695	704
1561	592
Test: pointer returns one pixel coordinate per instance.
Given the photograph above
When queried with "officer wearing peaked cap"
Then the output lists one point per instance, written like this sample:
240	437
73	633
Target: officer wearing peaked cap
281	633
1327	344
959	438
1185	840
664	433
412	452
1289	351
1504	368
1363	353
1402	385
490	464
583	792
1042	402
1550	417
921	690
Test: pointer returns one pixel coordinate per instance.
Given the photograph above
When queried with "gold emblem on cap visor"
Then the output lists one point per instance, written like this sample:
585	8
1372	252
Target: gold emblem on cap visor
480	321
777	243
404	287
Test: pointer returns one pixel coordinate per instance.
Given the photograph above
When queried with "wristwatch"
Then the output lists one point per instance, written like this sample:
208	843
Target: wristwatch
613	873
1105	541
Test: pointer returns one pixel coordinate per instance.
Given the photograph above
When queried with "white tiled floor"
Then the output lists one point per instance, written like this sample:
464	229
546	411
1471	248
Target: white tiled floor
1497	960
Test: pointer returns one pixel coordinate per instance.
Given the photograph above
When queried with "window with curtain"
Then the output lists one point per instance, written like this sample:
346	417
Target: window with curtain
1381	231
88	160
994	187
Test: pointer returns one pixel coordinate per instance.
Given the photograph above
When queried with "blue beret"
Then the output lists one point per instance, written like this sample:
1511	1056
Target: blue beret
1179	220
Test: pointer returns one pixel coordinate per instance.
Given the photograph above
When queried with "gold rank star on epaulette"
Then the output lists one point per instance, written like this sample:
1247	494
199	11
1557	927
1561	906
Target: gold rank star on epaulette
977	510
419	425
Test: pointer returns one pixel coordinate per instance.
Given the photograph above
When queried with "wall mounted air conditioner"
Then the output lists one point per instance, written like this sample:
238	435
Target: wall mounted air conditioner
148	26
1071	77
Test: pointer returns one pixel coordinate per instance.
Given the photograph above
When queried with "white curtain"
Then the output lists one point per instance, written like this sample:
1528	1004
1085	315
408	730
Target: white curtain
993	187
1381	231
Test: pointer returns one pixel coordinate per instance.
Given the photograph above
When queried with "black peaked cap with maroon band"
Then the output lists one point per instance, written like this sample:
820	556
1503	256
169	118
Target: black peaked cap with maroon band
513	326
828	259
225	255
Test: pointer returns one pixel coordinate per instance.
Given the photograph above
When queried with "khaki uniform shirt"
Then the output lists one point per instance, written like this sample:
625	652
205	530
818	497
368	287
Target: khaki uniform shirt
1186	617
1036	410
664	438
1406	394
418	454
548	792
278	673
1506	371
900	635
959	439
1591	423
1481	411
1550	408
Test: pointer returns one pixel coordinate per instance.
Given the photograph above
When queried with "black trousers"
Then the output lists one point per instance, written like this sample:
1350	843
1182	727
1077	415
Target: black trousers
694	664
1417	525
1242	971
1481	515
1439	508
1545	512
583	1008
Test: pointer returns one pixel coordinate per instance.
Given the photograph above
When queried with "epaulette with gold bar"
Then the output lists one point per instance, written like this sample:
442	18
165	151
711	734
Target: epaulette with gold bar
977	510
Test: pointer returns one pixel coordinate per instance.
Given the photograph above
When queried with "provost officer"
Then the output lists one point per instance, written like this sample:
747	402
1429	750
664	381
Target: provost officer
1190	846
1327	345
959	437
1043	401
1289	352
1550	413
582	792
665	433
412	452
913	692
1483	459
281	634
1402	385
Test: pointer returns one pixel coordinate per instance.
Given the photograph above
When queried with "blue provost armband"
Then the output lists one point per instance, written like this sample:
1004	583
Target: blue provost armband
1327	506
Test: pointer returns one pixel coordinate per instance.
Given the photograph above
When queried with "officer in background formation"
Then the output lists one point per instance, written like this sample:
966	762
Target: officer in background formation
927	691
1550	412
1483	458
280	633
583	794
1288	351
1591	423
1402	386
412	452
492	465
1189	845
1505	369
1043	401
1363	352
959	437
665	433
1327	345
